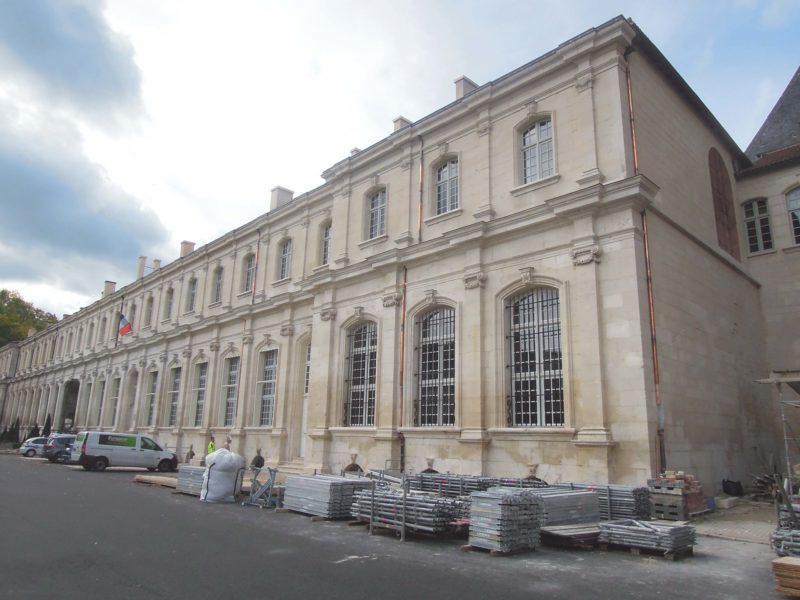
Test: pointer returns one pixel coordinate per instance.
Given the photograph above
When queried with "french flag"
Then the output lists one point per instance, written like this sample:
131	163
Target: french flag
124	326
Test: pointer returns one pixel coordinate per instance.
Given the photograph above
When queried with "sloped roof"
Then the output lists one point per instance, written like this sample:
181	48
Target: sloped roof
782	127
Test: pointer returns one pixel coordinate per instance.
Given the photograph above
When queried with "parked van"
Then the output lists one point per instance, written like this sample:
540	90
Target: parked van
96	450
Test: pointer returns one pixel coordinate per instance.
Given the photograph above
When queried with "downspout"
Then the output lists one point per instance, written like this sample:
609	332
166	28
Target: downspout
661	453
419	204
400	435
255	267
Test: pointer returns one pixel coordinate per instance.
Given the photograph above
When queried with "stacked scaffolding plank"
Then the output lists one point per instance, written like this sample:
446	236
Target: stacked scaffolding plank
392	509
190	479
322	495
673	539
787	576
505	520
617	501
446	484
785	541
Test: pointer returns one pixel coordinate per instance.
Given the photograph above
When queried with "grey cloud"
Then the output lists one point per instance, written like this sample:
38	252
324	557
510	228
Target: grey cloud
66	54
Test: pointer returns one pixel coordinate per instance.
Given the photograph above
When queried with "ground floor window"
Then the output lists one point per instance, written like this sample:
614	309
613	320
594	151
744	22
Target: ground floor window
362	355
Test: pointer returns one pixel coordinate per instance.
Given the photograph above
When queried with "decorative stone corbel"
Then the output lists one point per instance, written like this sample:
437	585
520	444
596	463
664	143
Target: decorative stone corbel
187	353
584	255
527	275
392	299
214	346
430	296
443	148
268	339
483	127
287	330
327	314
247	338
584	82
531	107
474	280
358	312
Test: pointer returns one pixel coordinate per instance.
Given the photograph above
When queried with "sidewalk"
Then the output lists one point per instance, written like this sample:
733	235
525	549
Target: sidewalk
748	521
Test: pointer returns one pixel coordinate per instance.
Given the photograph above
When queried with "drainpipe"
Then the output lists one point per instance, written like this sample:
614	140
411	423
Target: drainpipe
255	267
661	452
400	435
419	204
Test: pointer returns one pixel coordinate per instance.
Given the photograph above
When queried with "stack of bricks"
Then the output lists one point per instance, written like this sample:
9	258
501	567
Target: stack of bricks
676	496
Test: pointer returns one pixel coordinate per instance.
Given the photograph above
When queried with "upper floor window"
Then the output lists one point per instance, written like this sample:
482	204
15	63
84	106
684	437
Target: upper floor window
536	387
148	312
248	276
326	244
79	339
216	291
537	151
362	361
724	211
90	336
285	259
267	385
793	204
191	294
756	224
174	391
229	389
377	215
168	300
200	381
436	368
447	187
132	315
102	334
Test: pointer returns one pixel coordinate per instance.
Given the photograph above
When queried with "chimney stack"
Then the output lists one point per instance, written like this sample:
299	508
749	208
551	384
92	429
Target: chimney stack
464	85
109	287
186	248
140	269
280	196
156	264
400	122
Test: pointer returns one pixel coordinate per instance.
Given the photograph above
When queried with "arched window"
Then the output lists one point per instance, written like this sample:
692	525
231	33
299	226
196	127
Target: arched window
248	272
537	160
793	205
285	259
436	368
376	215
536	387
447	187
325	252
362	357
722	196
216	291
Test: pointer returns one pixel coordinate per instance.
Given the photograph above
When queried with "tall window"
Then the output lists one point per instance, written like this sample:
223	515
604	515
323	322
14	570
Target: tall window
229	389
201	379
216	292
191	294
132	316
169	298
377	215
101	336
79	339
285	259
89	337
362	354
307	374
249	273
534	357
537	151
756	224
436	368
148	312
174	391
150	396
326	244
115	385
266	385
793	204
722	197
100	401
447	187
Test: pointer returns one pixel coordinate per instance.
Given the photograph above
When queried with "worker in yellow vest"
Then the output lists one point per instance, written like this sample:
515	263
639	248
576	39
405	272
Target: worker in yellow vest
211	446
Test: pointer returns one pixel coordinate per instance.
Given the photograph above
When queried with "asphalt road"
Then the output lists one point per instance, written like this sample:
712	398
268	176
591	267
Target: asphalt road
66	533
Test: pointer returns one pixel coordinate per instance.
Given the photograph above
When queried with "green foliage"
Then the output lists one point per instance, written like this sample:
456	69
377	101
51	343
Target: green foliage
18	316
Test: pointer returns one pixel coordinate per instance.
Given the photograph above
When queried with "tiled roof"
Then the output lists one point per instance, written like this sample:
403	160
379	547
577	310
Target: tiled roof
782	127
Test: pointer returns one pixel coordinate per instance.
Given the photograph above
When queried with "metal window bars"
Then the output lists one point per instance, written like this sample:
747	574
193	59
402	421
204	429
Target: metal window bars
362	356
436	368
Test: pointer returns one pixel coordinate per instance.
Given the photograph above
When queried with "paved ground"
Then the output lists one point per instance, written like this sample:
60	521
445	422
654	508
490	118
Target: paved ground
95	535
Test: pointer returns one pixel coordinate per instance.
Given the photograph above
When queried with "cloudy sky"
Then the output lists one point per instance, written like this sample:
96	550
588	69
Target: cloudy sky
127	126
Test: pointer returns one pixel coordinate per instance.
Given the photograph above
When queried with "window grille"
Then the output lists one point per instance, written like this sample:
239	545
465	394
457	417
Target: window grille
229	390
756	223
174	390
200	393
793	204
447	187
326	244
285	264
151	397
535	366
377	214
362	355
307	377
436	368
537	151
267	384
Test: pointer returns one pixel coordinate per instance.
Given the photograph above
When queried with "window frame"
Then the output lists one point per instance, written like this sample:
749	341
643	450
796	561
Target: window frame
756	223
199	391
217	284
169	299
173	395
151	393
367	392
793	196
535	148
267	385
230	390
248	272
444	345
191	295
325	243
449	187
284	270
376	214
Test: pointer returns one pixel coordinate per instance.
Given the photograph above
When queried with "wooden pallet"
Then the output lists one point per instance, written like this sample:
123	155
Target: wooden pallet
636	551
469	548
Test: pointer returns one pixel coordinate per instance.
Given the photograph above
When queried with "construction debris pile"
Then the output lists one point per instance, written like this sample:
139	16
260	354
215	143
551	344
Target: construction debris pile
190	479
392	509
675	496
617	501
505	520
787	576
322	495
652	536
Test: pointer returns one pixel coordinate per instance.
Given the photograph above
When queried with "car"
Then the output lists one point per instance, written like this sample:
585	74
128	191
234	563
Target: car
96	450
33	446
58	447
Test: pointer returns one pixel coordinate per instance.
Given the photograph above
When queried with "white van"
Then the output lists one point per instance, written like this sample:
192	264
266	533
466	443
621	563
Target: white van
96	450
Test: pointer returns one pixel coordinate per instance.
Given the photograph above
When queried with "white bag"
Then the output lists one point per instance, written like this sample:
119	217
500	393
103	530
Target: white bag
221	476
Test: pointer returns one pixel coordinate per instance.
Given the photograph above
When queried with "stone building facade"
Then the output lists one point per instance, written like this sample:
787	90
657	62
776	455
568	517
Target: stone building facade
552	272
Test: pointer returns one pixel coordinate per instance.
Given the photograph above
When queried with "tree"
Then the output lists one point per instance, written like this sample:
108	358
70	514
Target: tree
17	317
